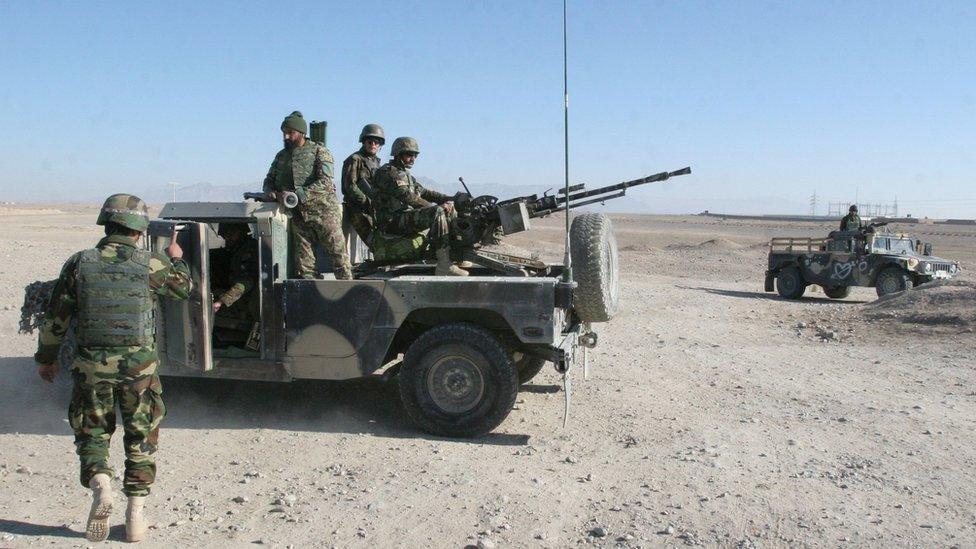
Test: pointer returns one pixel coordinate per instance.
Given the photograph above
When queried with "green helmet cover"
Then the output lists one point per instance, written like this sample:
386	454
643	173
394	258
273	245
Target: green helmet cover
405	145
127	210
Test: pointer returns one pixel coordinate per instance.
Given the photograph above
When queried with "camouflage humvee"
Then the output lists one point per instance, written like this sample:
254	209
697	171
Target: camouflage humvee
467	343
889	262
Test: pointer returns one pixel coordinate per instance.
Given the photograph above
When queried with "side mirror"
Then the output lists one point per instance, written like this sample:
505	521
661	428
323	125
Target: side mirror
927	249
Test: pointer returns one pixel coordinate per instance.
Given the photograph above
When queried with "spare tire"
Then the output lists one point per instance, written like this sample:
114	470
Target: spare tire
594	261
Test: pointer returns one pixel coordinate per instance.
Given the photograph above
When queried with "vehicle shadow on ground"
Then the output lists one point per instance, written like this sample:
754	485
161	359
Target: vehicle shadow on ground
770	296
368	405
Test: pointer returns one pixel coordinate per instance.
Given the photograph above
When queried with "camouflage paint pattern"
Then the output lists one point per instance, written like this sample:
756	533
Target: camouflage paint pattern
106	375
403	206
308	171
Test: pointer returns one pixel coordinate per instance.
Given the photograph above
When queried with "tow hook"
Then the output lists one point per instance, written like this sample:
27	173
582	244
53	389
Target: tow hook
588	340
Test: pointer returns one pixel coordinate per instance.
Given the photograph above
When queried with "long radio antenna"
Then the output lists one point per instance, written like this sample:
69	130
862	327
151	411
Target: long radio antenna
567	259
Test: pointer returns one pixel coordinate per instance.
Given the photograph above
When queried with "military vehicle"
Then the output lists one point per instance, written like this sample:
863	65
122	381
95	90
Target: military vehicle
466	343
886	261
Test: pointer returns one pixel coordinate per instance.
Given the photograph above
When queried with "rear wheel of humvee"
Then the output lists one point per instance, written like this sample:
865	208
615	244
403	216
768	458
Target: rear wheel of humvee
790	284
837	292
458	380
528	366
594	262
892	280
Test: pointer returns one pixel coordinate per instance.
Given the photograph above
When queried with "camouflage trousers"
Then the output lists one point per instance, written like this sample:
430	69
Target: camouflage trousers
131	383
318	221
432	219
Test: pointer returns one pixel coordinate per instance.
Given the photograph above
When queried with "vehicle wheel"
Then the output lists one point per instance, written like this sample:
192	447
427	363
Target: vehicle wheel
837	292
790	284
527	366
458	381
891	280
594	256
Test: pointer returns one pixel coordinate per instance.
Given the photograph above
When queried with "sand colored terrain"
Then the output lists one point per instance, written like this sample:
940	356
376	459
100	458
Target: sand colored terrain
715	414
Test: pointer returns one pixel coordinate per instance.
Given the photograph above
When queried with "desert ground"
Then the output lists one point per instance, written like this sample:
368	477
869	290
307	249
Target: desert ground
715	414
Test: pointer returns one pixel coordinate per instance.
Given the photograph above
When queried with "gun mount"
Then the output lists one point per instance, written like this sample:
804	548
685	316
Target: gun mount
481	219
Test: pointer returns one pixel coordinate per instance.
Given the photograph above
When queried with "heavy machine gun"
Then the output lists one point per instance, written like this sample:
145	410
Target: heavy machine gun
482	219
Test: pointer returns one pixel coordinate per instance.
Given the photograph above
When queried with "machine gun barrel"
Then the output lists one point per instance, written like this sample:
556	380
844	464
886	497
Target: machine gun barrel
551	204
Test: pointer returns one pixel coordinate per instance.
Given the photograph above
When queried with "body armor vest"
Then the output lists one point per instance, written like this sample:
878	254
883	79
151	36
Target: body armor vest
115	307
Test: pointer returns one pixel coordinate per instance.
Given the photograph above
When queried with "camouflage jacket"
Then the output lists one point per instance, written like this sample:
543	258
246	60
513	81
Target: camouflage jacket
168	278
358	167
304	167
851	222
242	271
395	190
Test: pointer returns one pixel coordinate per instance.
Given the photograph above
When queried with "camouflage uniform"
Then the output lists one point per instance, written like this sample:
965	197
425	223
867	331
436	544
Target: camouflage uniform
356	209
403	206
307	171
106	375
851	222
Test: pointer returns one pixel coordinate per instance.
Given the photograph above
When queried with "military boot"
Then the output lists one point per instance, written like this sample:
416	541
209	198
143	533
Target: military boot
97	529
445	267
135	519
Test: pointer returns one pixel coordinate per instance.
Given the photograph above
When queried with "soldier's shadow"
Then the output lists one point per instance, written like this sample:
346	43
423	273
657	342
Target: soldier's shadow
19	528
368	405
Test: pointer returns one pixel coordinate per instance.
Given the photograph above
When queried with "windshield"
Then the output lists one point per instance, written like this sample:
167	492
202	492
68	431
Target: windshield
894	245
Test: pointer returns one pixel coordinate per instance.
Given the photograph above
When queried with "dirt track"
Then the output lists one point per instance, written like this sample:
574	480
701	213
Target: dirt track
716	414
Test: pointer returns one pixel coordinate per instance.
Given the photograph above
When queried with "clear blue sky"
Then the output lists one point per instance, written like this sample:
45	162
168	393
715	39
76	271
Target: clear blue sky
767	101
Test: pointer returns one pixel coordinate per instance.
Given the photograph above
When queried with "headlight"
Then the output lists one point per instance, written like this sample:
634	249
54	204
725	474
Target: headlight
952	268
928	267
912	263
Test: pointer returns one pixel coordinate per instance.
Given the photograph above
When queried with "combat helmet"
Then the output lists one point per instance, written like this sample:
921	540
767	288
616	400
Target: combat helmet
127	210
372	130
853	208
405	145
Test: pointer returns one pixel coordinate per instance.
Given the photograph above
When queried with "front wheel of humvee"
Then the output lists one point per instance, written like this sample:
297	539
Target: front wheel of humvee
837	292
527	366
593	249
790	284
892	280
458	380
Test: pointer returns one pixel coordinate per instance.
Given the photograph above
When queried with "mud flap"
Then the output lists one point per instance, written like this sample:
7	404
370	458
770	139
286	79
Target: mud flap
769	281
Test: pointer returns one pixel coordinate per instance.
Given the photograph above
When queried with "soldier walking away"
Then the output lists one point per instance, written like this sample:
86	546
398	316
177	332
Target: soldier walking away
110	291
305	168
402	206
851	221
357	173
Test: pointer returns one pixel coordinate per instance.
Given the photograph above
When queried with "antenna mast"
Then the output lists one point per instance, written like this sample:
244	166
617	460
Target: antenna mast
567	260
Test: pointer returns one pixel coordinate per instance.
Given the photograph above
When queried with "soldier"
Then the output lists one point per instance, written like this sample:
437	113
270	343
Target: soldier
235	309
357	171
851	221
111	290
402	206
305	168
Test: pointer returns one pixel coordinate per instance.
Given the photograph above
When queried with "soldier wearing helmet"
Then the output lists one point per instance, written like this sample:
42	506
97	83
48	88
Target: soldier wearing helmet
402	206
305	168
851	221
357	173
110	293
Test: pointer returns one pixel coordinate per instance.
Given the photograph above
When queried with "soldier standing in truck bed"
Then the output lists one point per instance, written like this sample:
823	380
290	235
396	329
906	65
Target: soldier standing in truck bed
357	172
851	221
305	168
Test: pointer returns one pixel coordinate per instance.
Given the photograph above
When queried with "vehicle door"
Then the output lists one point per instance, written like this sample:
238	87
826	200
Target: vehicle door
184	327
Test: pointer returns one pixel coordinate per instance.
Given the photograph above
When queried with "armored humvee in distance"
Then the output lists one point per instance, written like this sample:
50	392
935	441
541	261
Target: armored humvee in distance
466	342
888	262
